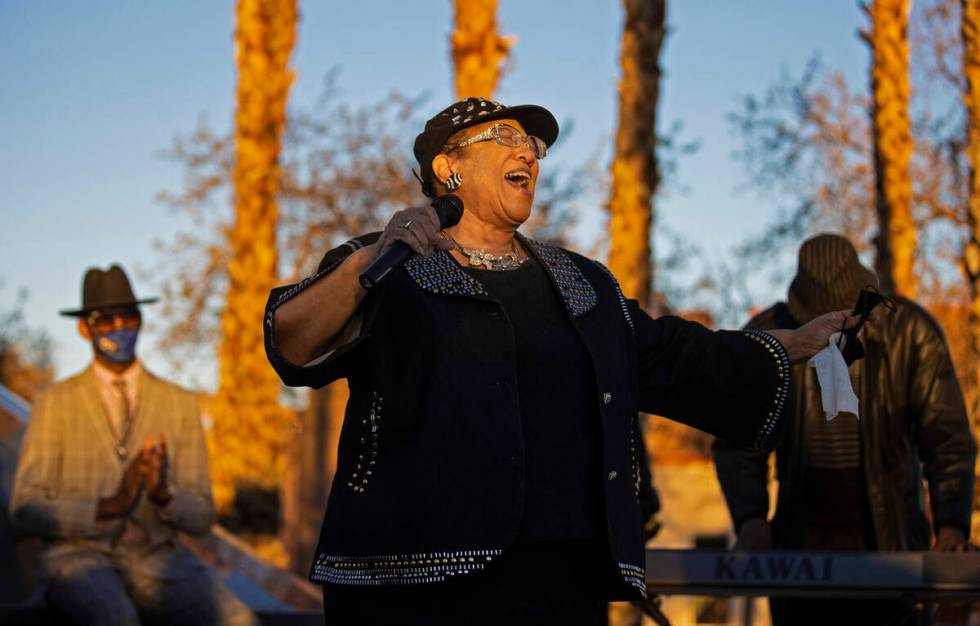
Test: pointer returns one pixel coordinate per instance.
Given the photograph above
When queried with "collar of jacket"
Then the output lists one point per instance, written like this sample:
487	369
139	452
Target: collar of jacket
440	273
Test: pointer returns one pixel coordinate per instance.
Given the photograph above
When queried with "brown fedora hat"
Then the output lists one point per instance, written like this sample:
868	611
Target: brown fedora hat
106	289
829	277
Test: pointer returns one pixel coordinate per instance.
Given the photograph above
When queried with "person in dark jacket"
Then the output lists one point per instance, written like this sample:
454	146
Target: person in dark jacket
488	468
857	484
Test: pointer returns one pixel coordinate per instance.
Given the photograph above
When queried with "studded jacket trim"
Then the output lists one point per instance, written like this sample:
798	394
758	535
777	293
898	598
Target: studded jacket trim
440	273
619	294
367	454
636	476
635	576
763	440
399	569
577	292
292	291
354	245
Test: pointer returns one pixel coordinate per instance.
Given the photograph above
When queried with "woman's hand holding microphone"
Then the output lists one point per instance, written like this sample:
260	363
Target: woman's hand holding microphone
416	227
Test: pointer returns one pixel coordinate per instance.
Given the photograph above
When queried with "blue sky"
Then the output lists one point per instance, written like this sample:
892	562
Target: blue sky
93	92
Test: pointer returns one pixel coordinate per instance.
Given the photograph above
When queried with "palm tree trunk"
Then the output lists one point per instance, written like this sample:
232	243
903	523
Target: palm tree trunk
250	428
897	232
478	50
970	29
634	167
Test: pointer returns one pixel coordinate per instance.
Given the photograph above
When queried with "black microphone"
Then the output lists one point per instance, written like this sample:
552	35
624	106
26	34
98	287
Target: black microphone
449	209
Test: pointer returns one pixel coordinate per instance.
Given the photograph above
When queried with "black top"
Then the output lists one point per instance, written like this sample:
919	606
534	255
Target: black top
559	412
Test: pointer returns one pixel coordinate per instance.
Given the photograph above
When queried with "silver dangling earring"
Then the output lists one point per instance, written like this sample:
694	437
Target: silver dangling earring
454	181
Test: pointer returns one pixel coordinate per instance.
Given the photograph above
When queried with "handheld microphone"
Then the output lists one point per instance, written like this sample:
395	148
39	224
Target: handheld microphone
449	209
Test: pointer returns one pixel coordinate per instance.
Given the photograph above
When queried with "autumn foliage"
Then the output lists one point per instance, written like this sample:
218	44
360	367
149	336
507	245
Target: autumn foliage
25	351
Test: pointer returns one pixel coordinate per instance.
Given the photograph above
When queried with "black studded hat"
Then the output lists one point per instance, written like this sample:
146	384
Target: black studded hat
829	278
103	289
536	120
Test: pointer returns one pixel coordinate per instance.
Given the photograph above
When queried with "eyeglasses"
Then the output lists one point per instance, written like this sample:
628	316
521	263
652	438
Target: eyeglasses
105	321
508	136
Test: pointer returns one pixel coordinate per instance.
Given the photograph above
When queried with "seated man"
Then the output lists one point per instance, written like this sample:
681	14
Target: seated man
112	466
857	484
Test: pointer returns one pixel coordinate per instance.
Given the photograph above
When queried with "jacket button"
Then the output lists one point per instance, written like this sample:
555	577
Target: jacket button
606	398
613	475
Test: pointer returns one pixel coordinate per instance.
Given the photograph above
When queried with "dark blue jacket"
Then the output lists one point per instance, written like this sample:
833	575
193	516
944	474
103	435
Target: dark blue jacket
430	473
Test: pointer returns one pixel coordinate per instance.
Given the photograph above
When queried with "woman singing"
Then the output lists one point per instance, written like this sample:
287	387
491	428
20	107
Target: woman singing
488	469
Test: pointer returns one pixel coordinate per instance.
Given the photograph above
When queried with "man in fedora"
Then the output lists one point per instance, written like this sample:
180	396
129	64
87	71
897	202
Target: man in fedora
857	484
112	466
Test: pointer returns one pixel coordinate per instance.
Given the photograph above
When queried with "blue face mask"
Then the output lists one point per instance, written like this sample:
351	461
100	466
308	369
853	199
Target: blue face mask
118	346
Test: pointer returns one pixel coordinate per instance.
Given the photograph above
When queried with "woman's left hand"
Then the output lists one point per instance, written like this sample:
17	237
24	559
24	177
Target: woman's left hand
812	337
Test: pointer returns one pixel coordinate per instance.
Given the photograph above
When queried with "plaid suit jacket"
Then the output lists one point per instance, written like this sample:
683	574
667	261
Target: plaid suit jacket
67	462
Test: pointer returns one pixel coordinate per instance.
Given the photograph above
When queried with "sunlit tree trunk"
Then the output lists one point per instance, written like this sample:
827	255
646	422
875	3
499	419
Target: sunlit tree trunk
250	428
970	27
897	233
479	51
634	167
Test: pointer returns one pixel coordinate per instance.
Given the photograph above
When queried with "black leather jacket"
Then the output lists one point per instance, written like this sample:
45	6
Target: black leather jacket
913	422
429	481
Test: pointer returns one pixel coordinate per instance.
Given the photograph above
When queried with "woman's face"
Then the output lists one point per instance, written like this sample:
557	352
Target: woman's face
497	181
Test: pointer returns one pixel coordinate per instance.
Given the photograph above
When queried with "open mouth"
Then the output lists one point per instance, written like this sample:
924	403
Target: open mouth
519	178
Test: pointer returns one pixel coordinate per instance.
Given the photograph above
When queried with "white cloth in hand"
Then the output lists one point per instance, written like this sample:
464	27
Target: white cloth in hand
836	393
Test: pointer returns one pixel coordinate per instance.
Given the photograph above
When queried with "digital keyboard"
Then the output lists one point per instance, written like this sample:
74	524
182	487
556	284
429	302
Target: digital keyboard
924	575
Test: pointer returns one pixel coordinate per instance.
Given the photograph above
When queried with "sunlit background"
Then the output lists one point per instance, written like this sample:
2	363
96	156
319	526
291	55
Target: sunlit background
95	93
118	144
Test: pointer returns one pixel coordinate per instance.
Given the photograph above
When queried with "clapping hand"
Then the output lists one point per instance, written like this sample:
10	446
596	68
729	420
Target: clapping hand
156	470
127	493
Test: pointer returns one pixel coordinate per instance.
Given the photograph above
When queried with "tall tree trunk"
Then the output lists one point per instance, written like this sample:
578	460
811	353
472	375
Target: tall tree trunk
479	51
897	233
970	28
634	167
250	428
